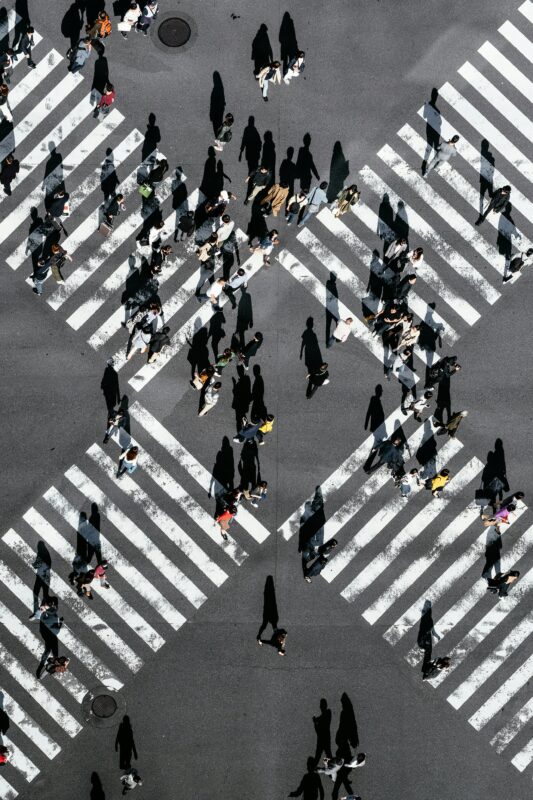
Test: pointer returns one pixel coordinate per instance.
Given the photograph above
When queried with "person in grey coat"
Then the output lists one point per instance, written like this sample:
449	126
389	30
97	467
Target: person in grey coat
315	198
81	54
445	151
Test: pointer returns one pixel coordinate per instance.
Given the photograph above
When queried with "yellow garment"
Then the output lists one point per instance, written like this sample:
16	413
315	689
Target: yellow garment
439	481
277	196
267	427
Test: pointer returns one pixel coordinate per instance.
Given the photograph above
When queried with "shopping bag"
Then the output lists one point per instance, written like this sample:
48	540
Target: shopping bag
145	190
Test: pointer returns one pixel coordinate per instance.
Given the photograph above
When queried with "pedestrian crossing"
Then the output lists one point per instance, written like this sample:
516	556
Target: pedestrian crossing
161	571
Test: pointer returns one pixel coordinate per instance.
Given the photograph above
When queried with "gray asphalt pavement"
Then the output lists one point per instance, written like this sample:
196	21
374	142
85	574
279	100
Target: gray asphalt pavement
210	710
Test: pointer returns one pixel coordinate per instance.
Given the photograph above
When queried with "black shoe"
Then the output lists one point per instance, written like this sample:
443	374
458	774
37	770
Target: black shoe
106	439
265	99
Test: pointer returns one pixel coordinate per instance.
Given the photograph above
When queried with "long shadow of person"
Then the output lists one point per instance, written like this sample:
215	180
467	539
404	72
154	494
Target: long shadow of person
223	471
4	30
258	395
217	102
251	145
401	222
433	127
310	786
305	164
125	743
249	465
426	632
245	318
347	733
72	22
493	549
262	54
152	137
242	395
216	332
385	219
179	193
339	169
53	173
270	607
312	521
494	475
96	521
97	790
332	307
322	724
208	185
426	455
287	41
506	231
198	355
4	719
375	415
109	179
110	387
430	331
268	156
100	77
23	21
486	173
90	533
42	566
287	171
310	349
444	401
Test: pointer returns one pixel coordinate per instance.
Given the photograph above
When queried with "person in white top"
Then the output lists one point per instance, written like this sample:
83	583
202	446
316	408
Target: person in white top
130	18
225	230
296	66
409	484
216	291
341	332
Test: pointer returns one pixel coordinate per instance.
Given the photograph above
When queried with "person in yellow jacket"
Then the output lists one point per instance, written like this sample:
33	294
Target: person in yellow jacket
438	483
265	428
276	196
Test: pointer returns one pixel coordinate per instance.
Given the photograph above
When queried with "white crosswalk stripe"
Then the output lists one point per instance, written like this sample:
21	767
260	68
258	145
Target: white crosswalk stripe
21	762
28	726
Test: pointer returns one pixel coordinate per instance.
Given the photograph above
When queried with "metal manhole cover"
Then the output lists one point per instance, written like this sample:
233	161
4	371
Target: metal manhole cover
174	32
104	706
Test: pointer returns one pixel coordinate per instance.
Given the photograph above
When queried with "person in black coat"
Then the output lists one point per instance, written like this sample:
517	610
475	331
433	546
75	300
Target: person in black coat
497	203
157	342
10	169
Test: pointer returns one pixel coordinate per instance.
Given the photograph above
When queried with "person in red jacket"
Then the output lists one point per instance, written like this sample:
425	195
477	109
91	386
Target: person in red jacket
106	101
224	520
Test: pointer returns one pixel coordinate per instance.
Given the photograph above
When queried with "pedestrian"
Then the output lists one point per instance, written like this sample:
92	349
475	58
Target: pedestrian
269	74
257	181
277	640
56	665
186	226
496	204
432	668
57	260
159	256
295	67
341	332
453	423
106	101
395	250
331	767
314	569
409	336
346	199
158	341
223	359
58	207
149	13
101	27
224	231
224	133
140	341
248	430
295	205
5	111
275	198
113	207
80	54
39	276
115	421
265	245
6	65
413	258
130	19
445	151
158	171
130	780
25	46
216	290
502	582
409	483
10	170
391	453
250	349
224	519
316	378
501	517
417	406
237	281
206	253
129	459
5	754
212	393
519	261
257	494
265	428
315	198
402	290
438	483
444	368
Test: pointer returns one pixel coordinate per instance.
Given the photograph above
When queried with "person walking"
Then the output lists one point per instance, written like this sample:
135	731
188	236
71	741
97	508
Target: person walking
223	359
6	65
56	665
211	396
295	205
224	232
445	151
410	484
257	494
130	780
85	579
444	368
311	570
438	483
257	182
502	582
524	259
80	54
39	275
149	13
130	19
265	245
113	208
341	332
453	423
295	67
265	428
216	290
5	111
277	640
331	767
346	199
250	349
186	226
57	208
224	133
206	253
395	251
275	198
268	75
106	101
129	459
224	520
432	668
499	518
158	341
416	405
25	46
57	260
237	281
496	204
315	198
317	378
101	27
10	170
115	421
200	379
140	341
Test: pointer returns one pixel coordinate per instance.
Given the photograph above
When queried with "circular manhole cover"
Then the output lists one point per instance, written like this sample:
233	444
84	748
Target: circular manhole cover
104	706
174	32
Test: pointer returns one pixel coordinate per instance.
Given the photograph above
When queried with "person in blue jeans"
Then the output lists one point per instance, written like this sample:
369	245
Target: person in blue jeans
315	198
129	461
39	275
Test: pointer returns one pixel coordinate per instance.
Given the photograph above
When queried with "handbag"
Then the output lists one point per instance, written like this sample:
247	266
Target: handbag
145	190
105	229
124	26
